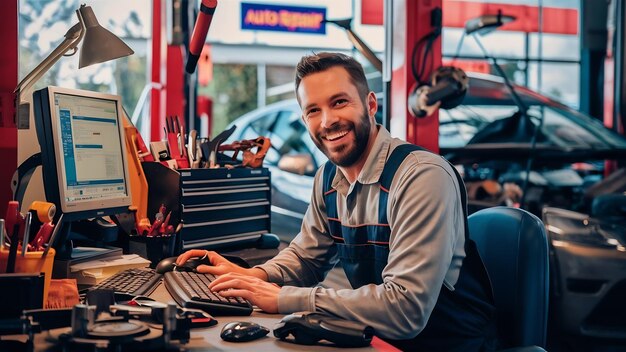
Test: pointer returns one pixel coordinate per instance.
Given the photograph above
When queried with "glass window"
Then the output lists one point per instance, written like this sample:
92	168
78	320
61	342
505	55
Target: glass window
279	83
262	125
291	133
497	44
457	126
558	81
555	46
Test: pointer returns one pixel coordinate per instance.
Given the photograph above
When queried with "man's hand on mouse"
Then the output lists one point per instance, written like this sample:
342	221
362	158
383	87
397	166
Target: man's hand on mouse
259	292
219	265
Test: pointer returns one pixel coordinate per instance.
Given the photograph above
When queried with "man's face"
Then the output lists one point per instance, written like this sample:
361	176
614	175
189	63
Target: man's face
338	120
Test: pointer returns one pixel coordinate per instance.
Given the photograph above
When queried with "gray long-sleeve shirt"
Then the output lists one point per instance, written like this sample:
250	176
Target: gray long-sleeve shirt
426	246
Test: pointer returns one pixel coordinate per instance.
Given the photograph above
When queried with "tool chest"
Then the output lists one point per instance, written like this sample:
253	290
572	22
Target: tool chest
218	207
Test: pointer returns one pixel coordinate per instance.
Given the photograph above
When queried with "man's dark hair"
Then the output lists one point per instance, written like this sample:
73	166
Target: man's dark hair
322	61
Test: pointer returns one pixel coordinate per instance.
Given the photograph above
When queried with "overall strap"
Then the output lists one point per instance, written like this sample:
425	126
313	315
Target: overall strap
330	194
393	163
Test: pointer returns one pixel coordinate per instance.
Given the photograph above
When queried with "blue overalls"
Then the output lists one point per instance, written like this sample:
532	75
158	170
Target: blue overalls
463	319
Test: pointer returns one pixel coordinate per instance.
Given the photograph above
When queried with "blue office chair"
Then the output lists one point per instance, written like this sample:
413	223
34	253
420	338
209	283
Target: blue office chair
513	245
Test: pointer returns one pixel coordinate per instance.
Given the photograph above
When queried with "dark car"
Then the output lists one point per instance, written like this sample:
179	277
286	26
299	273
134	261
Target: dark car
494	142
562	170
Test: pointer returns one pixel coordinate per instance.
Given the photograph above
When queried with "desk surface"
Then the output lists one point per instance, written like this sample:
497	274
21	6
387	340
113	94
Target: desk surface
209	338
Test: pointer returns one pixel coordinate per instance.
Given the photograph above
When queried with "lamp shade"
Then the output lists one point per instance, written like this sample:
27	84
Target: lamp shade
99	45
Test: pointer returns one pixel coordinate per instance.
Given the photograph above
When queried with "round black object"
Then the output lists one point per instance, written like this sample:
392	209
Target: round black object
243	331
118	329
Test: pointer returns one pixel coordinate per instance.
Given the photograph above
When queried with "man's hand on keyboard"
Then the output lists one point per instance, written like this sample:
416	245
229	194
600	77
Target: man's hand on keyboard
260	293
219	265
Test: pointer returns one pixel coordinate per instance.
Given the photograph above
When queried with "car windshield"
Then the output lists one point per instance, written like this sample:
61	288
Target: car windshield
561	127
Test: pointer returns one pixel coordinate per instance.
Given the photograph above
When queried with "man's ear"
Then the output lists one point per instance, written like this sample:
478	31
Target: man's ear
372	104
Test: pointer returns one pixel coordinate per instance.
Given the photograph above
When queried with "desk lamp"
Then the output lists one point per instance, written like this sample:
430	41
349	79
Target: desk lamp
99	45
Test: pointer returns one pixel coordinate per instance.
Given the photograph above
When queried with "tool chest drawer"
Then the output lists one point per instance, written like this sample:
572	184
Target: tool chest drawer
224	205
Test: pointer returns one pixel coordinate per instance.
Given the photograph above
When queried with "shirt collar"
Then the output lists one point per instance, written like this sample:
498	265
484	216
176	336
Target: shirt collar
374	164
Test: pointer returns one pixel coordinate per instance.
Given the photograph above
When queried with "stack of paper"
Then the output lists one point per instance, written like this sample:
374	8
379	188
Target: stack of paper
94	271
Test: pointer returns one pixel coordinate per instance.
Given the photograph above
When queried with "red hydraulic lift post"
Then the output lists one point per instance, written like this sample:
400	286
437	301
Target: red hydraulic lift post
175	101
8	82
167	74
409	21
158	74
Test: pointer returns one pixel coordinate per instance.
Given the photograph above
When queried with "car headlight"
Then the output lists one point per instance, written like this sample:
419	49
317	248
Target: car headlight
568	226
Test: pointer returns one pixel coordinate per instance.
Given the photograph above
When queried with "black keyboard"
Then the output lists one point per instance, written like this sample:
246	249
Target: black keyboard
190	290
135	282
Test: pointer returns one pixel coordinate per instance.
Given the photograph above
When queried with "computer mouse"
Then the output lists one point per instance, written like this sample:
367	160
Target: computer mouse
165	265
242	331
169	264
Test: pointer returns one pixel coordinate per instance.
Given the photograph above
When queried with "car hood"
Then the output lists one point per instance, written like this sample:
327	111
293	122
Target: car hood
541	153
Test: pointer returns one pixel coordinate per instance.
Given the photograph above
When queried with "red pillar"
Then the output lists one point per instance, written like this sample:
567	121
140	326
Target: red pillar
158	74
175	93
411	21
8	82
167	75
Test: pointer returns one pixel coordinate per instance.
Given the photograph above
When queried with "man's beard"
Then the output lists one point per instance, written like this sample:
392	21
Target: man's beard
349	153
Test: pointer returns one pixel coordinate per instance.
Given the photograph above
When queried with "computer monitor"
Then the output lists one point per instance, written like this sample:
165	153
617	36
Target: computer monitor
83	152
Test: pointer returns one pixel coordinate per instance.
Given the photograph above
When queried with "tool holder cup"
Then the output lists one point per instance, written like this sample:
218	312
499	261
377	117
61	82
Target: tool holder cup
153	248
31	262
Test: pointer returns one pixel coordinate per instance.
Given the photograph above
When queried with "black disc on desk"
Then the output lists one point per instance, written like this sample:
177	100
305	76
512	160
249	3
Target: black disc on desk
118	329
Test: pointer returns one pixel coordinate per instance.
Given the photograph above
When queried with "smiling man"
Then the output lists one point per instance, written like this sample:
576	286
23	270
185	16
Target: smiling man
391	213
340	118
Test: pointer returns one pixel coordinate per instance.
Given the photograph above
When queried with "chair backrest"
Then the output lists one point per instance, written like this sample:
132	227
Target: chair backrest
513	245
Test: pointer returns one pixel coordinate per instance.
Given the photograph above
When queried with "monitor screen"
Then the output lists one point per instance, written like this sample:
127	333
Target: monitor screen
83	150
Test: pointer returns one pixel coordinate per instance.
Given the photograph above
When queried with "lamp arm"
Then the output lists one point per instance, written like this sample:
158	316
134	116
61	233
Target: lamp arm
365	50
73	36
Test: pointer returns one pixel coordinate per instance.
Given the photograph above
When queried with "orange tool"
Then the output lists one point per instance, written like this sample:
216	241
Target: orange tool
138	182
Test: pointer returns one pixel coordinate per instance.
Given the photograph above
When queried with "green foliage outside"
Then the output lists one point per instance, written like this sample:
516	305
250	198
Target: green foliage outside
234	93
